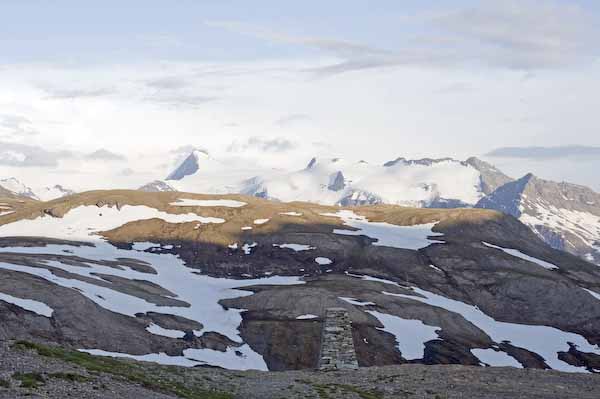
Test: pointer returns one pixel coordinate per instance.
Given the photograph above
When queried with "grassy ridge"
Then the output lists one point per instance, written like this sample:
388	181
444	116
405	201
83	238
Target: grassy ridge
127	371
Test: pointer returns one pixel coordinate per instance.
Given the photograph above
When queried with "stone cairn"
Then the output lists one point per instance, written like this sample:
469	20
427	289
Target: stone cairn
337	347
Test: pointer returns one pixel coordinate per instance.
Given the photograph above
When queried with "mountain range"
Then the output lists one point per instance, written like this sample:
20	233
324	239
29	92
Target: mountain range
227	284
12	186
564	215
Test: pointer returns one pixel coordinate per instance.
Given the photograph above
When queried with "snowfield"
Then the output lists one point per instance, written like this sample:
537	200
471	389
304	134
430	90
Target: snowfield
335	181
84	222
202	293
209	203
411	335
402	182
386	234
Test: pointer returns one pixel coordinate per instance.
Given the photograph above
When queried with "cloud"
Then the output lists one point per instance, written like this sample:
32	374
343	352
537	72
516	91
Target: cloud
168	83
12	154
105	155
16	126
180	100
127	172
277	144
187	150
523	34
74	94
291	119
342	48
545	153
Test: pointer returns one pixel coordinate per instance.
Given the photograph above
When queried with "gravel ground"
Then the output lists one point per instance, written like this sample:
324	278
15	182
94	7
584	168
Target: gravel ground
59	378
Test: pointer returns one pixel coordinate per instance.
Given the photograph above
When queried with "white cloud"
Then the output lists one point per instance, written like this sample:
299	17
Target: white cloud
12	154
277	144
523	34
16	127
105	155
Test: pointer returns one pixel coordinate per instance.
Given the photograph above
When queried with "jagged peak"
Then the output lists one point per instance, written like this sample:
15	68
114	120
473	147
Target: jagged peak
422	161
189	166
528	177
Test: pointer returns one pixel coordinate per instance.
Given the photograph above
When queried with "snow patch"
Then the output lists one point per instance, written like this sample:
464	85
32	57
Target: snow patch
247	248
386	234
295	247
164	332
519	254
411	335
307	317
209	203
491	357
323	261
36	307
355	301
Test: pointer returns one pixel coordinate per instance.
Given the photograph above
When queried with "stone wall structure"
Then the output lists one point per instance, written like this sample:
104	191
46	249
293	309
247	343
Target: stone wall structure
337	347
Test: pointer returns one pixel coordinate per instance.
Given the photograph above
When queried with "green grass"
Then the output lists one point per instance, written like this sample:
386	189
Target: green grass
128	371
325	390
29	380
72	377
363	394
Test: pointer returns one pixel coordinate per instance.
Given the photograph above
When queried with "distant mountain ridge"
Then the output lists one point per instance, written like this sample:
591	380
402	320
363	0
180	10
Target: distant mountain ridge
422	183
572	224
14	187
565	215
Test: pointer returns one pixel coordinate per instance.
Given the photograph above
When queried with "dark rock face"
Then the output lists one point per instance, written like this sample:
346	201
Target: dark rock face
580	359
423	161
507	198
156	186
188	167
336	182
491	177
360	198
566	216
169	321
284	344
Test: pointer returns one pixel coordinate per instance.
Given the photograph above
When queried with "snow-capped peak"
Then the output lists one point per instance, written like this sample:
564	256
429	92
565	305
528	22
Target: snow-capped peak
190	165
19	189
16	187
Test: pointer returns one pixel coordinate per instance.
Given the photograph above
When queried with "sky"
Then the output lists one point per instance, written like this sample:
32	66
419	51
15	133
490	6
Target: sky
114	94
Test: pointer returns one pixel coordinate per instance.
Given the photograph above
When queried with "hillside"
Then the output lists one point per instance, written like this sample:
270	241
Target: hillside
241	282
54	373
566	216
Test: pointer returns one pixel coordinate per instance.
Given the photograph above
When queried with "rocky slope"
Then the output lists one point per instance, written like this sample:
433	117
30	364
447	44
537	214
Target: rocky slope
566	216
241	282
37	371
